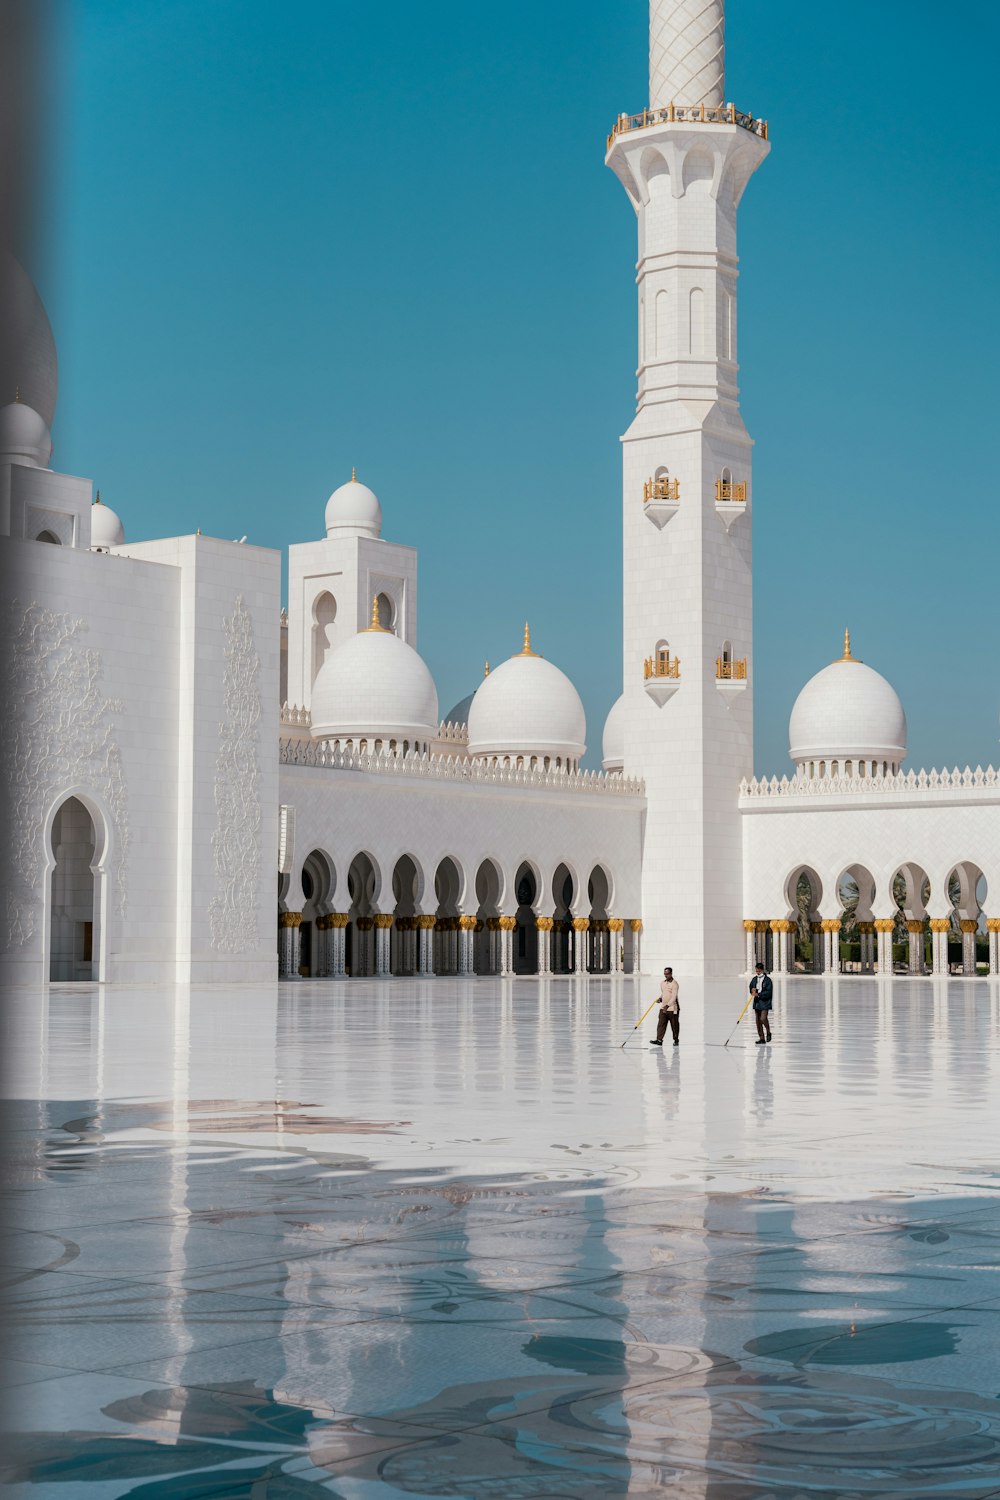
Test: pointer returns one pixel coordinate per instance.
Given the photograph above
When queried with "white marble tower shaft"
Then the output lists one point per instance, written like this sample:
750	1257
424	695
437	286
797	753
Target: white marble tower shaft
687	559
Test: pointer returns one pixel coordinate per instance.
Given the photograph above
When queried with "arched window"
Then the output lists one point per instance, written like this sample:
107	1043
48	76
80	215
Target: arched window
323	632
48	536
727	653
662	655
387	612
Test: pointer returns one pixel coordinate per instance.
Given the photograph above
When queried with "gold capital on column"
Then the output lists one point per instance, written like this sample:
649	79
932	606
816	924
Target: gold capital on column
749	925
993	924
914	925
580	924
635	923
289	919
426	924
507	924
831	924
467	924
616	924
383	920
940	924
967	925
885	924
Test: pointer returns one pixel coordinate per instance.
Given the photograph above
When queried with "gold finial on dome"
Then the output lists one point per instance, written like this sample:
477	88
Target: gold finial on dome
847	648
97	498
526	648
486	670
376	623
17	393
354	475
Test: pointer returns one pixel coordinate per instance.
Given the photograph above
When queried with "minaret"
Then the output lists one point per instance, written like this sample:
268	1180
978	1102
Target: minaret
687	499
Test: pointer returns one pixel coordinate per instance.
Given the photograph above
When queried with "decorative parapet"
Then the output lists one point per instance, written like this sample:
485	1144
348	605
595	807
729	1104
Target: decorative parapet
299	718
458	733
691	114
322	756
903	784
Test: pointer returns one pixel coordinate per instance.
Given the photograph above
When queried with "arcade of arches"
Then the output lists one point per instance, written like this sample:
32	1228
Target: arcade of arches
849	927
404	922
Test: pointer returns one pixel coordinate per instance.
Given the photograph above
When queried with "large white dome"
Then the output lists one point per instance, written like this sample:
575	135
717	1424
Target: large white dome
374	687
613	747
106	529
353	510
527	708
847	712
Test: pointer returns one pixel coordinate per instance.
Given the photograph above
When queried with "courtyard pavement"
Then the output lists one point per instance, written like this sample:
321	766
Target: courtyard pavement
411	1238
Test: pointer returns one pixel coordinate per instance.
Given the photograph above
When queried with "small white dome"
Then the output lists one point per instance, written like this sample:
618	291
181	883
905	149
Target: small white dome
613	746
374	687
528	708
106	529
460	713
353	510
847	712
24	436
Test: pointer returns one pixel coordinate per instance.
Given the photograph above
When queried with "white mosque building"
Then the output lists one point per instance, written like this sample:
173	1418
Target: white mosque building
202	786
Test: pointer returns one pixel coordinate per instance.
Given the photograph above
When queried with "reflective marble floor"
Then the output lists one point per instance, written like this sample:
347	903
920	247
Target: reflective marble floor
450	1239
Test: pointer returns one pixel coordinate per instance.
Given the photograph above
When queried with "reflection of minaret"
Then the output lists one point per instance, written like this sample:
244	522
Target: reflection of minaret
687	711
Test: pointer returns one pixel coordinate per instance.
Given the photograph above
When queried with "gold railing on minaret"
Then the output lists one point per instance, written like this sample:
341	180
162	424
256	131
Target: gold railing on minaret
725	490
661	489
689	114
731	671
661	666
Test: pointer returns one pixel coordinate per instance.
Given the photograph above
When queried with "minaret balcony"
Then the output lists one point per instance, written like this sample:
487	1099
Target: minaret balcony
730	500
662	676
688	114
730	676
661	500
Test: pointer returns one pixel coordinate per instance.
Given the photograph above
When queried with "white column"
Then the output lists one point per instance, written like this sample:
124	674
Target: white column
465	935
884	930
338	945
915	929
425	945
816	929
543	926
320	948
581	926
507	925
289	939
383	923
939	944
969	930
749	945
778	966
993	928
615	926
636	925
831	946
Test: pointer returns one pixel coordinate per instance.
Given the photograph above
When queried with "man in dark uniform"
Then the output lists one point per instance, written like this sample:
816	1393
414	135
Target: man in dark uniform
762	991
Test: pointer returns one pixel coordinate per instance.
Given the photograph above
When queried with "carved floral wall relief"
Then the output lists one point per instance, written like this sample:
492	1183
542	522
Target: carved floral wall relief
236	842
60	735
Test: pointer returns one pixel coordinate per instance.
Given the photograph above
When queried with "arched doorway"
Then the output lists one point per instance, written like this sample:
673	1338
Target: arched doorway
563	892
489	889
447	892
856	894
406	887
803	893
911	891
526	887
362	884
72	954
967	891
599	895
317	890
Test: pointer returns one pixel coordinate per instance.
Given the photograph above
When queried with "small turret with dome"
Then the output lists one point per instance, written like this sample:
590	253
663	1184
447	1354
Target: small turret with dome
374	692
528	711
106	529
847	721
353	510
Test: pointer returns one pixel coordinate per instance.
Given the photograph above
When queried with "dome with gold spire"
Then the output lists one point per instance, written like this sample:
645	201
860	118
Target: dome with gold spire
527	710
847	720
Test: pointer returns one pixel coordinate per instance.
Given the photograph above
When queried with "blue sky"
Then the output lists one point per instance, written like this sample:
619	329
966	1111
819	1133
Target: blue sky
288	239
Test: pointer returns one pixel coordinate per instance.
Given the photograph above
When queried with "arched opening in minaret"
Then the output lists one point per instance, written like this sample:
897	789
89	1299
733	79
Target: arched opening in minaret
526	889
71	930
387	612
324	615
